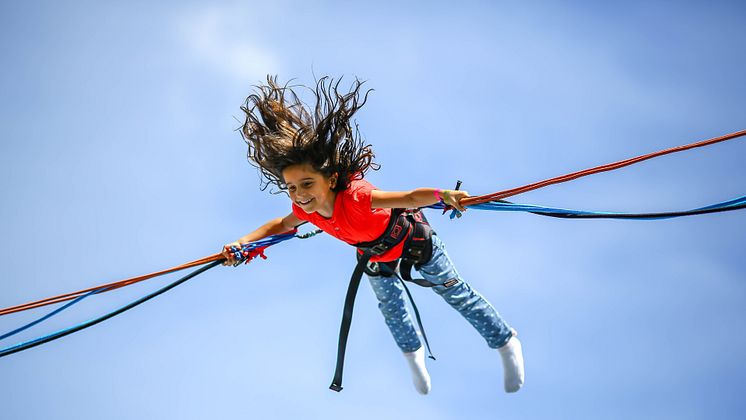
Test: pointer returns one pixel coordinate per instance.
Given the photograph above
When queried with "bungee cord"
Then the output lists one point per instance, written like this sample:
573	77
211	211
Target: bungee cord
249	251
47	316
603	168
61	333
502	205
246	253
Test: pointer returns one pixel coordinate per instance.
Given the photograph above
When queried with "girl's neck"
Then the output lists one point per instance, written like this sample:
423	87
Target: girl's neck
327	208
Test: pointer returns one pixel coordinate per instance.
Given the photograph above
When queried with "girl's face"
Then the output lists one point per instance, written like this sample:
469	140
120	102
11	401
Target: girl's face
310	189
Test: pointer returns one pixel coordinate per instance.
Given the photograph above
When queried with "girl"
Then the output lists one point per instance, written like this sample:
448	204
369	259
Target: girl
316	157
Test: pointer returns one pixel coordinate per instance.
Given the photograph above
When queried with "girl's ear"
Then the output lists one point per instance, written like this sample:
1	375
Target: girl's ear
333	179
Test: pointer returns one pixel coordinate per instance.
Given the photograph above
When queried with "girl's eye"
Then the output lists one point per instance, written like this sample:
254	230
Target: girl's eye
291	189
307	184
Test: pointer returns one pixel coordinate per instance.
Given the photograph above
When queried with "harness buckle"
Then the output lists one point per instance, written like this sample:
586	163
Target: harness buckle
378	249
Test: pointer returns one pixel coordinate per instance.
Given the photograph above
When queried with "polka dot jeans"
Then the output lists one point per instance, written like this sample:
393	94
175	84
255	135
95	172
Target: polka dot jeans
452	288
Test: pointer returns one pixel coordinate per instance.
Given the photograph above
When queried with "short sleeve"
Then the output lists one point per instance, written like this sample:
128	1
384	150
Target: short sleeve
361	197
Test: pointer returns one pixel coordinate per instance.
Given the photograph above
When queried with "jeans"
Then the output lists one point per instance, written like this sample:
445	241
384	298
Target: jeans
457	293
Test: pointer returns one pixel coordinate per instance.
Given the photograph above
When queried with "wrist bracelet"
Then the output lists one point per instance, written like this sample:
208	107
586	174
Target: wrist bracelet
437	195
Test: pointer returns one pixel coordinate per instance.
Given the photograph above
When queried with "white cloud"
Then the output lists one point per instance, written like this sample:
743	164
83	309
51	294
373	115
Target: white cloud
221	40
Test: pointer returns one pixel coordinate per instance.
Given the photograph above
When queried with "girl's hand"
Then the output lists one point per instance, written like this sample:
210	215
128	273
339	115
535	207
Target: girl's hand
452	197
228	254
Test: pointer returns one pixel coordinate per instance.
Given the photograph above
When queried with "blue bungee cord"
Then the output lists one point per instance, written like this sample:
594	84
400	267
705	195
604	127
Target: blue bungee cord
502	205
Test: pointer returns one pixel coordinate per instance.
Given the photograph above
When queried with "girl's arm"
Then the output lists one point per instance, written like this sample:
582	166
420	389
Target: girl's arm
273	227
419	197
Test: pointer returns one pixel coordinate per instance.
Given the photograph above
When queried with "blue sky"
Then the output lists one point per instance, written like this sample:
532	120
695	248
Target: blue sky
119	156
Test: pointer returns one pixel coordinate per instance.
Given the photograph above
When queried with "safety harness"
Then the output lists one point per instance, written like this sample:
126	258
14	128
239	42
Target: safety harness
410	226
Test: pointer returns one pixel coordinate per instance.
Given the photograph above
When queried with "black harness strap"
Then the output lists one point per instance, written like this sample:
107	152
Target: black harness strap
410	227
389	271
344	329
418	249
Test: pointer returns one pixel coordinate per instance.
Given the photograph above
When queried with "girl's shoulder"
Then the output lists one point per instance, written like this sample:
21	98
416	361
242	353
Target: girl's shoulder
358	184
359	188
358	194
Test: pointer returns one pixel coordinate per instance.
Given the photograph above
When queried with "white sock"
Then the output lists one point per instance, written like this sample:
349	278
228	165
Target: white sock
512	356
420	377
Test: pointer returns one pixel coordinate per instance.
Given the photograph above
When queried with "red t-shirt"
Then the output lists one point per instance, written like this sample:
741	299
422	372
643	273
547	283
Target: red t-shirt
353	220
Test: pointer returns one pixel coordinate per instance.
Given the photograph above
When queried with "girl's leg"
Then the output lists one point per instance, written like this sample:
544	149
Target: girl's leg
462	297
477	311
393	307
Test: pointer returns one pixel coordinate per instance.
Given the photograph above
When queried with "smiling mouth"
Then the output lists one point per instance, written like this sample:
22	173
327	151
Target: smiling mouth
303	203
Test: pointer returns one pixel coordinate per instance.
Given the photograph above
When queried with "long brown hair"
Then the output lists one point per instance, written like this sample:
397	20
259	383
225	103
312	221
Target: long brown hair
281	131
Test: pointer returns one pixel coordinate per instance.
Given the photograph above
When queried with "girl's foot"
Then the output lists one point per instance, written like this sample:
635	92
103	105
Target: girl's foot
420	377
512	356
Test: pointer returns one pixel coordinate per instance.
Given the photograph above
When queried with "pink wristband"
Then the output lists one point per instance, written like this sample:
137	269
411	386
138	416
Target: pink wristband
437	195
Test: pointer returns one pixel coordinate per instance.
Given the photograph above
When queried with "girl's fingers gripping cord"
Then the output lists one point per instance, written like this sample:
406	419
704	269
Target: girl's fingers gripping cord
232	253
226	254
452	198
457	197
238	254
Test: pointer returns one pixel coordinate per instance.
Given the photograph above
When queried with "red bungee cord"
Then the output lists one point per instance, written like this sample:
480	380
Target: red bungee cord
107	287
603	168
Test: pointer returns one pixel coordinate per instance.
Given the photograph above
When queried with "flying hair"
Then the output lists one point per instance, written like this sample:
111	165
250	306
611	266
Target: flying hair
281	130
